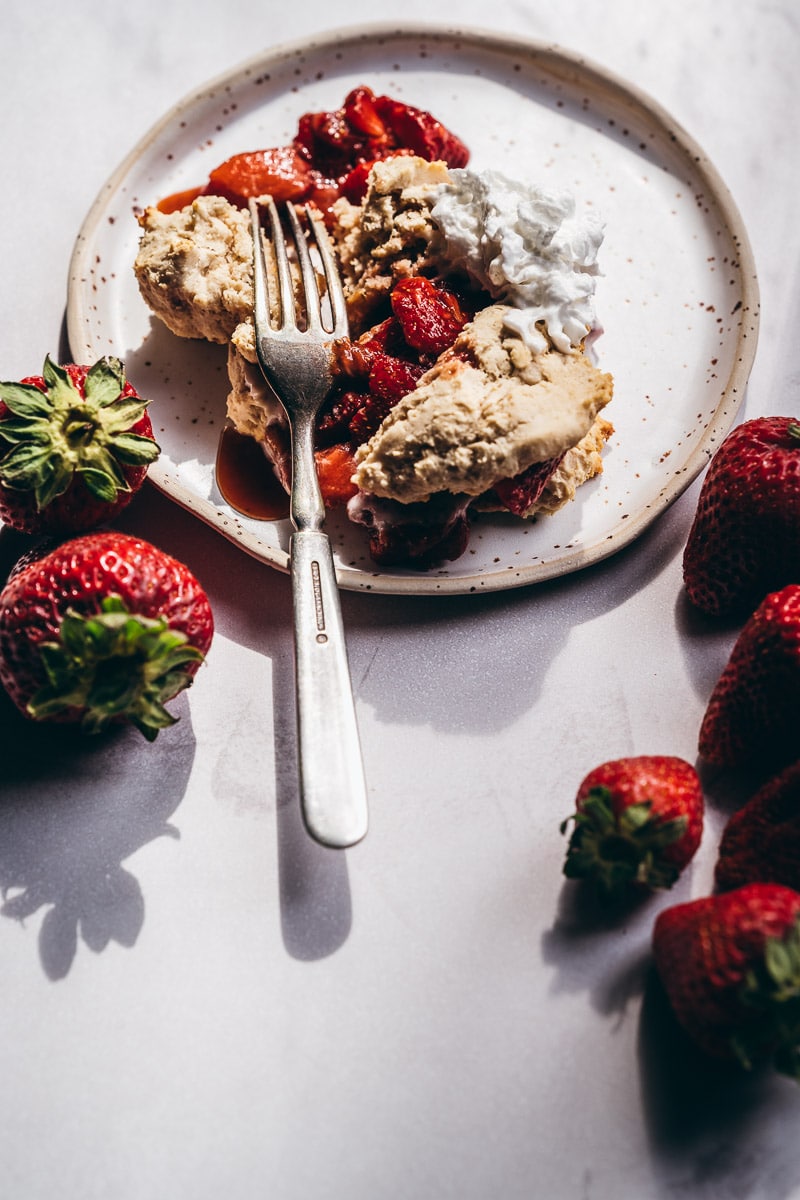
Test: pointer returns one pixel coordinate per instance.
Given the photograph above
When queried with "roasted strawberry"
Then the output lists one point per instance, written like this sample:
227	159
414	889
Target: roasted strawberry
416	536
638	822
730	966
431	317
102	629
333	424
392	378
389	380
519	493
368	127
329	144
331	153
362	115
751	717
335	469
369	417
387	361
761	841
353	186
80	443
421	132
279	172
745	538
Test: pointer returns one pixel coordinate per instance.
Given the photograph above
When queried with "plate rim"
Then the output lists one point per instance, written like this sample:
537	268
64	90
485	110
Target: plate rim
574	66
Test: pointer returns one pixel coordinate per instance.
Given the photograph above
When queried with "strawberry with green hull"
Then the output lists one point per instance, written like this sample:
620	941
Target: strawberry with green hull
103	629
730	966
638	822
761	841
78	442
752	714
745	538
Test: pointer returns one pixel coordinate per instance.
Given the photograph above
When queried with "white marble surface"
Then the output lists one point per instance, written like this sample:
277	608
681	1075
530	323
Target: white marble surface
198	1001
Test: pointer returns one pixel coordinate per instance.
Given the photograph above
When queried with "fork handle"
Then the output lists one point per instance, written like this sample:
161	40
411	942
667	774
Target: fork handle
332	786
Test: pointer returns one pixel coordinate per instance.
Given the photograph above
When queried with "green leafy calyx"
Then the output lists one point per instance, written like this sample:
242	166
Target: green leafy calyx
57	434
771	997
618	851
115	666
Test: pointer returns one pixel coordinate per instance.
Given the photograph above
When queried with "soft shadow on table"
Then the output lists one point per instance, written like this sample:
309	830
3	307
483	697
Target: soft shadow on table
488	637
316	910
709	1122
706	643
72	810
713	1129
491	638
586	930
253	606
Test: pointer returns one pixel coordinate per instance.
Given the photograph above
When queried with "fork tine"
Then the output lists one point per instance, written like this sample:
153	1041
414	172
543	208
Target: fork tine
286	319
285	286
307	272
260	286
333	281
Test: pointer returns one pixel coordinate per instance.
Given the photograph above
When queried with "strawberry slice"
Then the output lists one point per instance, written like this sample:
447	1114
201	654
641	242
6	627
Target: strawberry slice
392	378
335	468
523	490
354	185
280	172
431	317
362	115
421	132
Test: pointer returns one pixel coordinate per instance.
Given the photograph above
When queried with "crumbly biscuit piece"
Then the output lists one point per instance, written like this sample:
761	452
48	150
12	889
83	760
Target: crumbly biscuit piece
195	268
390	235
252	405
486	411
578	466
255	411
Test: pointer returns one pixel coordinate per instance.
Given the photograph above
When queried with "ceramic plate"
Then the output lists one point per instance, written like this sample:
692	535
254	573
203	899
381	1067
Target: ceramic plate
678	297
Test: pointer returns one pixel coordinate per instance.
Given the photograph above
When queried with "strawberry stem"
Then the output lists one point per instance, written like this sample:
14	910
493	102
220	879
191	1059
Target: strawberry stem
771	992
58	433
619	851
112	667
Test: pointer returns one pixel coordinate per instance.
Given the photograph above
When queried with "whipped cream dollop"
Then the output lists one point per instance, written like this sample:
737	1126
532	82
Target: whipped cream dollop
528	248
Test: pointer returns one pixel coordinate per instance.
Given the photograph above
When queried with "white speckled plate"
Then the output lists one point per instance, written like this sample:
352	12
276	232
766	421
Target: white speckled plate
678	299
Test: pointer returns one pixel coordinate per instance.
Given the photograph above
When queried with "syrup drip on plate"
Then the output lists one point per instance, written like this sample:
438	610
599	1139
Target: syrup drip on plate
246	479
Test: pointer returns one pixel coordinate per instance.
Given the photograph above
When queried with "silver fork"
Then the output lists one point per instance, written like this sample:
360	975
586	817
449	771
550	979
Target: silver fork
296	363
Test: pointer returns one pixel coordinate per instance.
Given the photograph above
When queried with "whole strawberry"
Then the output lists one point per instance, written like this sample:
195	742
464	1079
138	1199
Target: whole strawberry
103	629
761	841
75	443
638	822
751	716
730	965
745	539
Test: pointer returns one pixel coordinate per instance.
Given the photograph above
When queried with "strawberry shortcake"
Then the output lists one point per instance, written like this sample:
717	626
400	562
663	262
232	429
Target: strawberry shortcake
465	384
